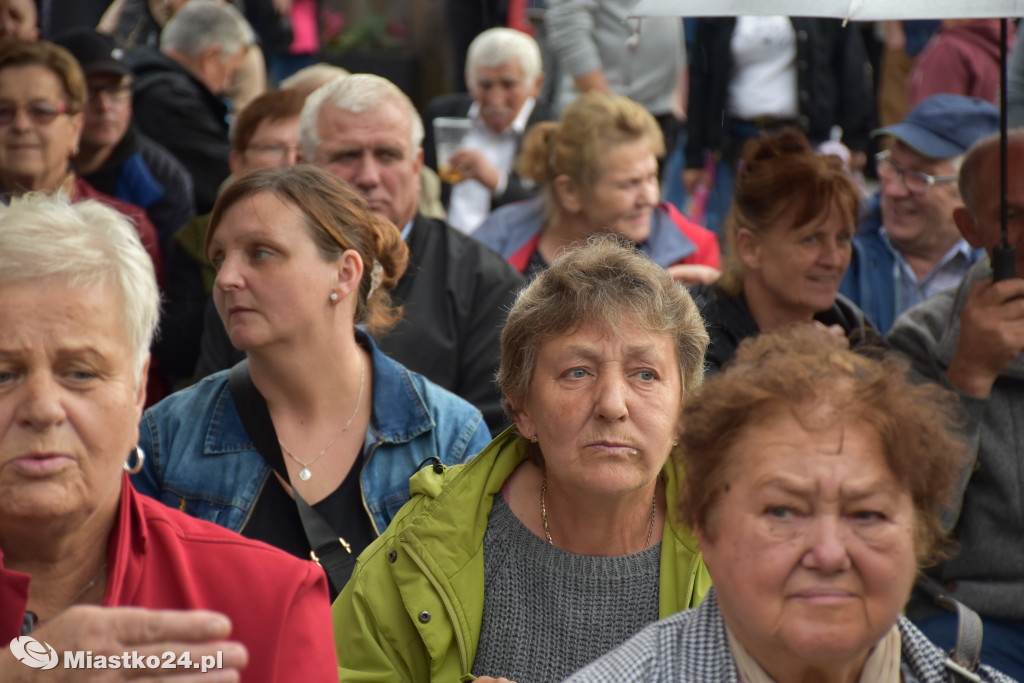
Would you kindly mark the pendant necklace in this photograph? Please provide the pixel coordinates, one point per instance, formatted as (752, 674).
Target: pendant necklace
(304, 473)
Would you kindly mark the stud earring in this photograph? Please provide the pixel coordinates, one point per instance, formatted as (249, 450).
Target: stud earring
(334, 297)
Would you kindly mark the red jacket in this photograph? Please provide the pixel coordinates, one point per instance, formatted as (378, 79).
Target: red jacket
(164, 559)
(962, 59)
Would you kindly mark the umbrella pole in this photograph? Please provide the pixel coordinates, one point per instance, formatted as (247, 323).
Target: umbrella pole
(1003, 257)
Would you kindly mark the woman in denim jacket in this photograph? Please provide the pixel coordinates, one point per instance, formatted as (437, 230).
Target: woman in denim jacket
(290, 246)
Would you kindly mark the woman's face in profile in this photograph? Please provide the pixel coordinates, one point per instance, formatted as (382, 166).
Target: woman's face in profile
(812, 552)
(272, 283)
(800, 268)
(625, 193)
(69, 405)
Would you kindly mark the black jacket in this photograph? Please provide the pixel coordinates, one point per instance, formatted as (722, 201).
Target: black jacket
(458, 104)
(143, 173)
(833, 84)
(456, 292)
(178, 111)
(729, 321)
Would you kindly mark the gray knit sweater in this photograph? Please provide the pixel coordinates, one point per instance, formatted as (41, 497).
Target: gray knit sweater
(548, 612)
(987, 572)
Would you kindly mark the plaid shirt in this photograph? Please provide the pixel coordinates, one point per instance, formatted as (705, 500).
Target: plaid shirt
(691, 647)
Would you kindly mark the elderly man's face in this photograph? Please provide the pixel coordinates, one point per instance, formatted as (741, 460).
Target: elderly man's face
(108, 111)
(18, 20)
(501, 92)
(372, 152)
(983, 227)
(811, 545)
(918, 223)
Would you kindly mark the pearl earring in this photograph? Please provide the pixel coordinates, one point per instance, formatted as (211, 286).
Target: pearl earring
(334, 297)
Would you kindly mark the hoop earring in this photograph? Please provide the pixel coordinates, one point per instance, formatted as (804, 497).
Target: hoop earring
(140, 457)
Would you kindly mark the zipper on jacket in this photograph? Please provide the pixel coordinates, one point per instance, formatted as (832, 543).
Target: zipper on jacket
(255, 500)
(362, 494)
(693, 578)
(459, 640)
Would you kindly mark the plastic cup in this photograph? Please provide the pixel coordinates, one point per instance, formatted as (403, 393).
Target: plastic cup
(449, 134)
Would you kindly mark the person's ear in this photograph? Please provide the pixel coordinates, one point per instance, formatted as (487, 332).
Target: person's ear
(968, 227)
(349, 273)
(567, 193)
(538, 83)
(140, 390)
(524, 423)
(748, 248)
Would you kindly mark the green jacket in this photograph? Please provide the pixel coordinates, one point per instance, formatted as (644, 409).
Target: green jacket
(413, 607)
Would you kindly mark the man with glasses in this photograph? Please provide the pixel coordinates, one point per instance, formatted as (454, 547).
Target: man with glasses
(908, 247)
(113, 156)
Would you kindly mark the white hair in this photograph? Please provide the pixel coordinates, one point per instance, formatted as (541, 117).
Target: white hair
(88, 243)
(200, 24)
(495, 46)
(355, 93)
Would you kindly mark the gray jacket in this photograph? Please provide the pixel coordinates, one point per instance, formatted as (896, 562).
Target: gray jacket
(641, 58)
(987, 572)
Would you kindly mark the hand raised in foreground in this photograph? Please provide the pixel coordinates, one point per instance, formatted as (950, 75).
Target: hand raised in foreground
(991, 335)
(110, 632)
(693, 273)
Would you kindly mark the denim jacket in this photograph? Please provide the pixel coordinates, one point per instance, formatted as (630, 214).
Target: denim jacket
(200, 459)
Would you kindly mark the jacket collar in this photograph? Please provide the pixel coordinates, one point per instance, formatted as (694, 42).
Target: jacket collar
(396, 416)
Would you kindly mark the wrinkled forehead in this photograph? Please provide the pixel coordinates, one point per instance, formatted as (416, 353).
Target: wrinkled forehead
(382, 124)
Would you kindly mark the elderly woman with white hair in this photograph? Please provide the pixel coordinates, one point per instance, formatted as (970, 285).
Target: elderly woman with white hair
(78, 308)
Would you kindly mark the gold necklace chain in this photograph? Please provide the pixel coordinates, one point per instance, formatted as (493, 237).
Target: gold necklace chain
(544, 513)
(304, 473)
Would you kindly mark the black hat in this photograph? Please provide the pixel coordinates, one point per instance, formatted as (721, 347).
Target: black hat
(95, 51)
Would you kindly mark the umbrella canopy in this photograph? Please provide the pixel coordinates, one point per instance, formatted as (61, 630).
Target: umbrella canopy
(856, 10)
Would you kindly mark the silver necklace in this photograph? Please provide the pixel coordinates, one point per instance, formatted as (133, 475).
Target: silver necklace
(79, 594)
(544, 513)
(304, 473)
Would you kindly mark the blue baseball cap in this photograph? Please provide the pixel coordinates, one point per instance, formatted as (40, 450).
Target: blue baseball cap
(944, 126)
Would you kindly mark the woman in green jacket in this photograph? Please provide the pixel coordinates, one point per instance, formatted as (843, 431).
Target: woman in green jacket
(555, 544)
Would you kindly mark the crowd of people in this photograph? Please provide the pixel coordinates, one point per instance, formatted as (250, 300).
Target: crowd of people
(289, 392)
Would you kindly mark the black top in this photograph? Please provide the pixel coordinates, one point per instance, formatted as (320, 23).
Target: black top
(275, 519)
(729, 321)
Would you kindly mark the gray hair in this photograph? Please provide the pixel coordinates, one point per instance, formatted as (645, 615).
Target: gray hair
(496, 46)
(310, 78)
(200, 24)
(355, 93)
(88, 243)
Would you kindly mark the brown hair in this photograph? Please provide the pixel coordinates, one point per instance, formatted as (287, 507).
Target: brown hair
(782, 184)
(272, 105)
(603, 282)
(797, 369)
(64, 66)
(576, 145)
(337, 219)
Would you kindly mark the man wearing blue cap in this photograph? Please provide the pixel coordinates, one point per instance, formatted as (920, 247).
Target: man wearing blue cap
(908, 247)
(970, 340)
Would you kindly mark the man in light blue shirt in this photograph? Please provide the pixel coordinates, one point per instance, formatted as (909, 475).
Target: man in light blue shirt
(908, 247)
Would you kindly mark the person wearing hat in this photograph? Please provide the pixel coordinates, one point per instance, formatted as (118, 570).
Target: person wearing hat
(908, 247)
(113, 156)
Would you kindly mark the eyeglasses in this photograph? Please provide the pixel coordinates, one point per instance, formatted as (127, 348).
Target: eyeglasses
(916, 182)
(274, 150)
(39, 112)
(118, 91)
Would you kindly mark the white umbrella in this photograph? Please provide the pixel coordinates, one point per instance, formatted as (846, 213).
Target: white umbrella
(1003, 264)
(856, 10)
